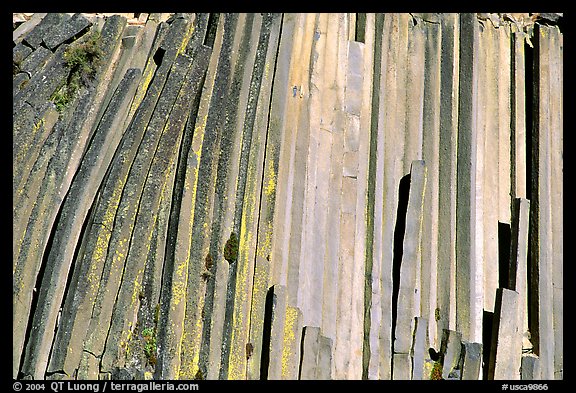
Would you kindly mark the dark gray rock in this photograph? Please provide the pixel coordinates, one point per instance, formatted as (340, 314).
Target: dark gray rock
(471, 361)
(35, 36)
(450, 348)
(19, 81)
(19, 53)
(66, 30)
(36, 61)
(73, 213)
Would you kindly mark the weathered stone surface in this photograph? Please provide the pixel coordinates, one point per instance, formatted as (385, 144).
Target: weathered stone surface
(471, 361)
(541, 240)
(451, 349)
(402, 366)
(291, 343)
(447, 197)
(130, 294)
(278, 319)
(310, 350)
(74, 210)
(269, 41)
(99, 232)
(35, 36)
(419, 349)
(209, 128)
(66, 30)
(19, 53)
(518, 273)
(36, 61)
(19, 81)
(505, 351)
(19, 33)
(531, 367)
(430, 147)
(181, 271)
(469, 269)
(324, 366)
(409, 287)
(120, 240)
(42, 85)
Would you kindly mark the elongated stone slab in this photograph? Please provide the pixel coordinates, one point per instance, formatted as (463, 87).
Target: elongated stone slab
(269, 40)
(20, 32)
(402, 366)
(419, 349)
(20, 52)
(518, 273)
(448, 135)
(530, 367)
(66, 30)
(541, 240)
(175, 292)
(469, 268)
(291, 343)
(324, 364)
(557, 193)
(451, 348)
(408, 295)
(77, 310)
(121, 236)
(518, 115)
(505, 350)
(431, 101)
(74, 210)
(310, 350)
(471, 362)
(35, 36)
(36, 60)
(278, 319)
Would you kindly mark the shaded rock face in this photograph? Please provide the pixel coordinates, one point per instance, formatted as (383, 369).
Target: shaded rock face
(287, 196)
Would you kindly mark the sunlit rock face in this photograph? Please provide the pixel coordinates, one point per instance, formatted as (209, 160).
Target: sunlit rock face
(287, 196)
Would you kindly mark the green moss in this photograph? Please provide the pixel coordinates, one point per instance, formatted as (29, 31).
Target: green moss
(149, 337)
(231, 248)
(82, 58)
(436, 373)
